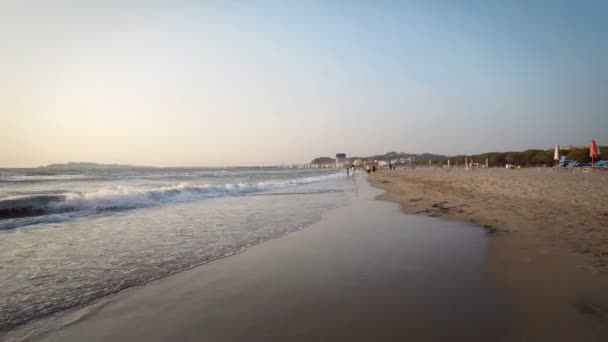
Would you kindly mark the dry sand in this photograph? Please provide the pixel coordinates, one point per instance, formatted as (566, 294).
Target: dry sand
(549, 246)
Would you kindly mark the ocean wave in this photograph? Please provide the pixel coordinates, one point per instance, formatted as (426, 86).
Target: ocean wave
(27, 205)
(19, 211)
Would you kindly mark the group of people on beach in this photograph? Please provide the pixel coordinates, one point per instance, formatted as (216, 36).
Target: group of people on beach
(350, 170)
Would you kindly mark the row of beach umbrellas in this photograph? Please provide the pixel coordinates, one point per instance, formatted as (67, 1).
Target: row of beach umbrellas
(594, 152)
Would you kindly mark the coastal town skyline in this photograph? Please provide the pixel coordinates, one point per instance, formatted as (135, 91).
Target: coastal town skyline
(528, 157)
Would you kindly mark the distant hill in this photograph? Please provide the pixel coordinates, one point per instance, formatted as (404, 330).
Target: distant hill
(88, 166)
(397, 155)
(323, 160)
(387, 156)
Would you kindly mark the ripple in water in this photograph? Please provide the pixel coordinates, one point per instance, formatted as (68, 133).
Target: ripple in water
(54, 266)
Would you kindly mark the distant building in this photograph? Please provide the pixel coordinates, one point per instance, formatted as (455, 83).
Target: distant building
(340, 159)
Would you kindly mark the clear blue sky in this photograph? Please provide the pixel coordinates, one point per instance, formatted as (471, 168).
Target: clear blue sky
(269, 82)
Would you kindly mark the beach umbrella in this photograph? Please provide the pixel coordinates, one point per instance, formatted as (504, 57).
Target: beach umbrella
(594, 152)
(556, 156)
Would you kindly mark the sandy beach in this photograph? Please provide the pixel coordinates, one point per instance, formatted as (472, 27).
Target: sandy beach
(225, 171)
(366, 272)
(549, 244)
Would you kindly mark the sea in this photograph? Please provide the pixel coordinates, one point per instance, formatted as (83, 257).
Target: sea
(71, 236)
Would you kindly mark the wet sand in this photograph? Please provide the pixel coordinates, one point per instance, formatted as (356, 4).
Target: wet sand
(366, 272)
(549, 245)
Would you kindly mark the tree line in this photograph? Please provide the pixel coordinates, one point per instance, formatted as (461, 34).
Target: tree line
(531, 157)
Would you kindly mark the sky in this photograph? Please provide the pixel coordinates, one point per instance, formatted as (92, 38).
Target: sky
(227, 83)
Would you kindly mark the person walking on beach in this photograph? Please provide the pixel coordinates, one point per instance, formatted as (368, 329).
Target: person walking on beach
(347, 171)
(367, 169)
(352, 167)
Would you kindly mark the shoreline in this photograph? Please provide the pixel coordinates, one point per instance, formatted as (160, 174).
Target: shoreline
(539, 252)
(54, 266)
(364, 272)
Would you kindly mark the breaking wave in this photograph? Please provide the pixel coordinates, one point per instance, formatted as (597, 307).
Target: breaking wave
(33, 209)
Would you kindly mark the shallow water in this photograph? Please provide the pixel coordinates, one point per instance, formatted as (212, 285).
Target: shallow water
(365, 272)
(99, 232)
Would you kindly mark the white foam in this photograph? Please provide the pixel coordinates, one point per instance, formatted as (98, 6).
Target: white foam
(130, 197)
